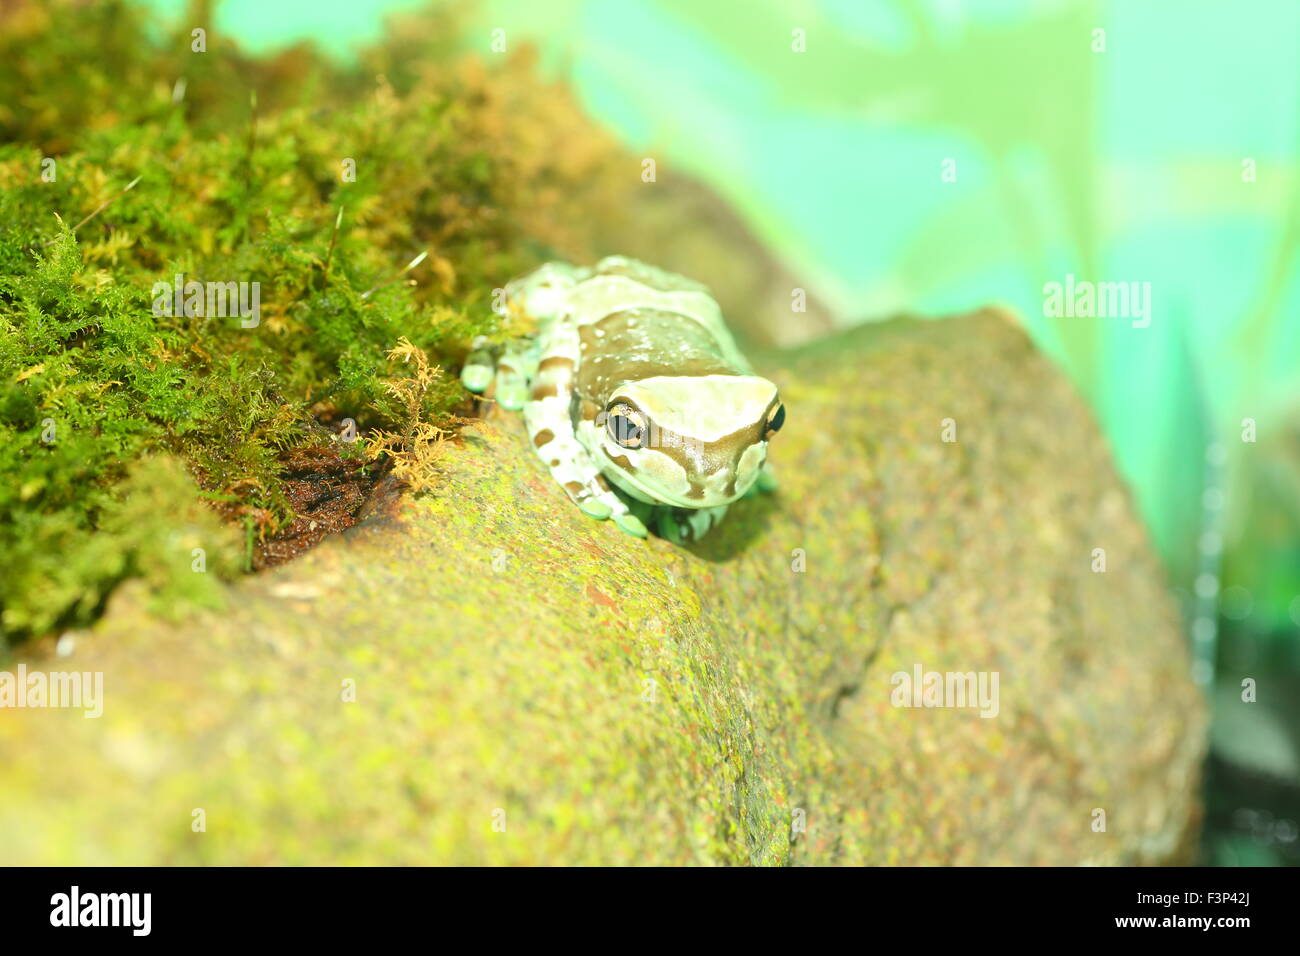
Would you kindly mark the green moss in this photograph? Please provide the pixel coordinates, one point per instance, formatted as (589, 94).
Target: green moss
(127, 159)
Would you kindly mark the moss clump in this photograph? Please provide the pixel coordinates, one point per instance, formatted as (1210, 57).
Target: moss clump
(127, 160)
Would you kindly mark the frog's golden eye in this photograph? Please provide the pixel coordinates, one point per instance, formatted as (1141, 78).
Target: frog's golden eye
(775, 419)
(625, 425)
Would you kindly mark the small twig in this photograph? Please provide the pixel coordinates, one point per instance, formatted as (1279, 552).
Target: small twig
(102, 206)
(333, 236)
(409, 266)
(248, 158)
(252, 118)
(252, 138)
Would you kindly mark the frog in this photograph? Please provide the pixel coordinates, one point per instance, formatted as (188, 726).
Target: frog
(634, 395)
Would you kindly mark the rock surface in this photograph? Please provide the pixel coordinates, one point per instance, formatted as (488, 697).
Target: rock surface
(532, 686)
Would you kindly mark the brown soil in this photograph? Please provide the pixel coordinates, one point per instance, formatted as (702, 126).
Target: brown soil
(326, 491)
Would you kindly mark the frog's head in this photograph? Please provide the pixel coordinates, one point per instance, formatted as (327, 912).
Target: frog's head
(688, 441)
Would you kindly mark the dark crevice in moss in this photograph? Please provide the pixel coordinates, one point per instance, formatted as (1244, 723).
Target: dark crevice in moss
(326, 491)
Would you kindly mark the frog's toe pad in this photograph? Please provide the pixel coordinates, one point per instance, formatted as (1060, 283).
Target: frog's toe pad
(476, 378)
(594, 508)
(511, 396)
(631, 524)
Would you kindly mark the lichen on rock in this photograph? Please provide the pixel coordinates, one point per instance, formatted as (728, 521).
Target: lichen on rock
(485, 676)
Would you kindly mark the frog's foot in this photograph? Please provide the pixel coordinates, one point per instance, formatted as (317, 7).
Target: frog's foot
(515, 369)
(640, 516)
(480, 368)
(682, 525)
(597, 500)
(631, 524)
(625, 521)
(510, 373)
(551, 433)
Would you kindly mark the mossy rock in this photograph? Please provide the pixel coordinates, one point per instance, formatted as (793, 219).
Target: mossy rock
(532, 686)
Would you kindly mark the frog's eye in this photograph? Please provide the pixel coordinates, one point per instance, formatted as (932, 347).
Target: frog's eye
(625, 425)
(775, 419)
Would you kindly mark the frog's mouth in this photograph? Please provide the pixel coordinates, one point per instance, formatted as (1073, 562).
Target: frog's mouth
(638, 489)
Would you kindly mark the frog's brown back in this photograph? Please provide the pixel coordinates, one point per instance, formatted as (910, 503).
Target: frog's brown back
(640, 343)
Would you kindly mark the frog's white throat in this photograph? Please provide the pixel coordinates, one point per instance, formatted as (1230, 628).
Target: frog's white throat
(714, 494)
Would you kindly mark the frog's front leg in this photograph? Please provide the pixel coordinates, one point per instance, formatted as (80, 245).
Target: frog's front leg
(680, 525)
(551, 431)
(538, 297)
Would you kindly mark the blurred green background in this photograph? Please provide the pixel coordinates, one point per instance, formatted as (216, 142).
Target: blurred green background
(931, 156)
